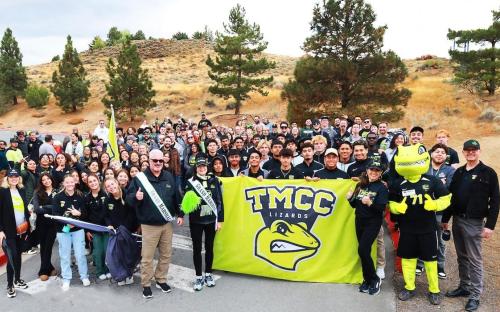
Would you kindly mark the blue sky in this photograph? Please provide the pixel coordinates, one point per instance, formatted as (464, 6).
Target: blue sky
(414, 27)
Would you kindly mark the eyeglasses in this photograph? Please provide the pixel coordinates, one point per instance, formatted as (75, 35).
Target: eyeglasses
(157, 161)
(190, 137)
(366, 121)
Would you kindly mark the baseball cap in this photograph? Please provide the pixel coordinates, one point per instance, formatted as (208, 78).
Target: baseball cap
(13, 173)
(14, 140)
(201, 162)
(417, 129)
(131, 137)
(325, 117)
(471, 144)
(375, 164)
(331, 150)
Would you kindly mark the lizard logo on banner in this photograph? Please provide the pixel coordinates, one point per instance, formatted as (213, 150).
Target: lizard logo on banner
(288, 215)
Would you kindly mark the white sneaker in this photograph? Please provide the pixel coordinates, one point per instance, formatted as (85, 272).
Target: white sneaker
(86, 282)
(108, 275)
(102, 277)
(381, 273)
(127, 281)
(65, 285)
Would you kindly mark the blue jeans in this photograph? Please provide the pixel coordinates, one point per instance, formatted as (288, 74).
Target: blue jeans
(77, 239)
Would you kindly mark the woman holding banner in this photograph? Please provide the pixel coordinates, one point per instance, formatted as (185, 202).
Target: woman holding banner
(14, 227)
(369, 198)
(203, 203)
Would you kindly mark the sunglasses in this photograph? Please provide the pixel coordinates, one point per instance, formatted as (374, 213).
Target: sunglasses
(366, 121)
(157, 160)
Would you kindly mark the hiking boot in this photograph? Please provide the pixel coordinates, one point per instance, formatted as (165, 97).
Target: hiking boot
(364, 287)
(209, 280)
(198, 283)
(441, 273)
(164, 287)
(434, 298)
(20, 284)
(459, 292)
(472, 305)
(406, 294)
(419, 270)
(147, 293)
(11, 292)
(375, 286)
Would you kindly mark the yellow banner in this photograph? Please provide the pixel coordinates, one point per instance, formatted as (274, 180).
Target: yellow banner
(288, 229)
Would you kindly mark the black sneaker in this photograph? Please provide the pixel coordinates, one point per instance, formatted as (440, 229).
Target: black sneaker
(472, 305)
(434, 298)
(375, 286)
(406, 294)
(11, 292)
(364, 287)
(20, 284)
(459, 292)
(164, 287)
(419, 270)
(147, 293)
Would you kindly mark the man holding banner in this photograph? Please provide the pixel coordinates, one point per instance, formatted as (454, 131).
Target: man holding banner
(156, 197)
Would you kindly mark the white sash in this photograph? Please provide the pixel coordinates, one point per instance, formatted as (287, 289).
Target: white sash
(162, 208)
(202, 192)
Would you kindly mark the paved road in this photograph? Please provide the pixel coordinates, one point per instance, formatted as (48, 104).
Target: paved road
(234, 292)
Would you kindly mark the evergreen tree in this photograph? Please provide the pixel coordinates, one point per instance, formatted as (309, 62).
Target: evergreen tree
(69, 85)
(180, 36)
(345, 68)
(235, 70)
(206, 35)
(139, 35)
(130, 89)
(13, 80)
(477, 70)
(114, 36)
(97, 43)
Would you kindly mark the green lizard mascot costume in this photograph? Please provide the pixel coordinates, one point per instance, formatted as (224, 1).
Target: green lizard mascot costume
(414, 199)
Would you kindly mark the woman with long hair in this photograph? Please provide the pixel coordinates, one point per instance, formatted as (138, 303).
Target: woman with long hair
(70, 203)
(206, 217)
(369, 200)
(95, 205)
(61, 168)
(45, 228)
(104, 161)
(14, 227)
(119, 213)
(134, 159)
(123, 178)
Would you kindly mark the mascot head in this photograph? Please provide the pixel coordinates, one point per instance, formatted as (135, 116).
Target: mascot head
(412, 161)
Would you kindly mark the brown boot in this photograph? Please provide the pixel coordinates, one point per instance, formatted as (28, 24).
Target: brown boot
(44, 277)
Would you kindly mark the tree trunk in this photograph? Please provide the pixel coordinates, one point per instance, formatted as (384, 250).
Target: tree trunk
(14, 100)
(238, 85)
(73, 106)
(491, 84)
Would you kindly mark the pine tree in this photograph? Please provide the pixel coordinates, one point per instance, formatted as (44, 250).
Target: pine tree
(236, 71)
(114, 36)
(13, 80)
(345, 68)
(69, 85)
(180, 36)
(130, 89)
(477, 70)
(139, 35)
(97, 43)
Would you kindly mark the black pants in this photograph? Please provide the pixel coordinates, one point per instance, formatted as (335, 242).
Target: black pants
(196, 235)
(46, 236)
(367, 230)
(15, 246)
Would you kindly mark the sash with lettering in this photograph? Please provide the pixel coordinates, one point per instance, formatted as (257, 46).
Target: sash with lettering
(160, 205)
(202, 192)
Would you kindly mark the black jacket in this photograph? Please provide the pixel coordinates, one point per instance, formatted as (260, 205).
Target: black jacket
(212, 185)
(96, 208)
(7, 217)
(146, 210)
(484, 195)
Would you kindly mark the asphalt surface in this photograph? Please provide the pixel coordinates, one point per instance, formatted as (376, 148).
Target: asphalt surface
(233, 292)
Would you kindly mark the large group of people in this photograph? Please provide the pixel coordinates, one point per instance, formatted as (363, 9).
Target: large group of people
(142, 189)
